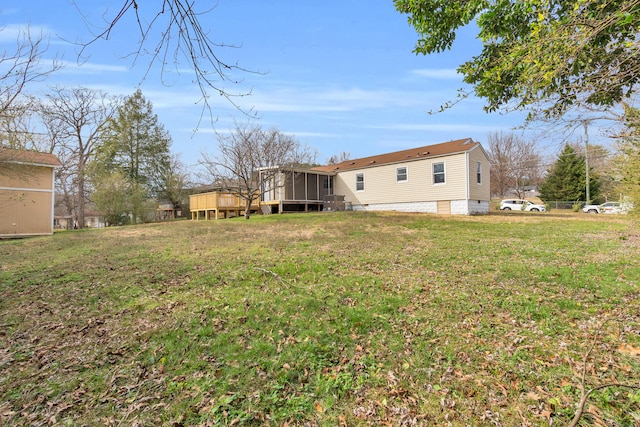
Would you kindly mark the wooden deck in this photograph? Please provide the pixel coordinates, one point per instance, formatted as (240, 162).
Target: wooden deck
(215, 205)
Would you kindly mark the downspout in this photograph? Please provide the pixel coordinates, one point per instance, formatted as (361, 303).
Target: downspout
(468, 184)
(468, 180)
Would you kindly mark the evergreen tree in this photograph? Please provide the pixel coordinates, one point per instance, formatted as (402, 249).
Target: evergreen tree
(566, 180)
(135, 145)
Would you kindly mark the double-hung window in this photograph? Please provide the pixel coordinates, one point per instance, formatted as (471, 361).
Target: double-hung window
(438, 173)
(359, 182)
(479, 173)
(401, 174)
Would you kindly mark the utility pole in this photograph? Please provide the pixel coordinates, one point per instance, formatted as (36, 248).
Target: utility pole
(586, 158)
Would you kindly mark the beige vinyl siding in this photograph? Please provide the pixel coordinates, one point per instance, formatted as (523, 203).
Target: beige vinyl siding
(25, 213)
(26, 201)
(25, 176)
(478, 191)
(381, 184)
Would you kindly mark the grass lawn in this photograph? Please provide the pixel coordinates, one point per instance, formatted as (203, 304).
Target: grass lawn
(341, 319)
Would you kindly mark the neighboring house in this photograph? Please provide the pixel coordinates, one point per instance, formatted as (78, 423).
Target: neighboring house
(167, 211)
(26, 192)
(92, 219)
(447, 178)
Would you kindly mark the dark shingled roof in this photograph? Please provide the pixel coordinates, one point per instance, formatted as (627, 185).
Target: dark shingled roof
(436, 150)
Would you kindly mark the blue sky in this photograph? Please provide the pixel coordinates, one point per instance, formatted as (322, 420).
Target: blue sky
(339, 75)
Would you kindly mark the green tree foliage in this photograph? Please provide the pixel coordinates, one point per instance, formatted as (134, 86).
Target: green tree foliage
(110, 197)
(122, 202)
(566, 180)
(175, 182)
(558, 52)
(628, 160)
(134, 144)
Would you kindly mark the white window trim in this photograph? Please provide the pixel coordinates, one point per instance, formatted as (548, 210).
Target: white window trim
(406, 174)
(363, 181)
(433, 174)
(479, 173)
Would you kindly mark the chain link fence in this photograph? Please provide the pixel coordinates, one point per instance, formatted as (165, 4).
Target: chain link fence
(565, 204)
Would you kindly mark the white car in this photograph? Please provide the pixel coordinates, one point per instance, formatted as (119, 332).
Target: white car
(606, 208)
(521, 205)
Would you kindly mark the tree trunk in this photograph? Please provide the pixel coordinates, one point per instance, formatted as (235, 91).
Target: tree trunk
(80, 196)
(247, 208)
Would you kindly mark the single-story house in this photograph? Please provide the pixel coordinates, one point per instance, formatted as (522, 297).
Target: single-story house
(26, 192)
(92, 219)
(166, 211)
(447, 178)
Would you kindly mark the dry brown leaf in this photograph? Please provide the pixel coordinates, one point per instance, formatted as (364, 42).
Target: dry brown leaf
(629, 349)
(533, 396)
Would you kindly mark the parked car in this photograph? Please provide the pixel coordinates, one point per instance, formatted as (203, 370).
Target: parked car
(607, 208)
(521, 205)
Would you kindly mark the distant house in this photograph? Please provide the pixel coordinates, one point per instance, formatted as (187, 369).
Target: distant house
(92, 219)
(26, 192)
(447, 178)
(168, 211)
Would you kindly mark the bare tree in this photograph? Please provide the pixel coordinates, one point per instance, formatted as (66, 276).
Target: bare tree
(22, 67)
(514, 164)
(338, 158)
(17, 126)
(19, 68)
(250, 150)
(170, 32)
(74, 119)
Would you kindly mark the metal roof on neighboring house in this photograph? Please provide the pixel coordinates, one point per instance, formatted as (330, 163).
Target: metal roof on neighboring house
(30, 157)
(428, 151)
